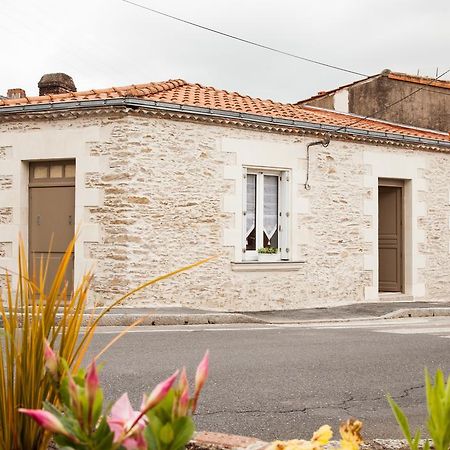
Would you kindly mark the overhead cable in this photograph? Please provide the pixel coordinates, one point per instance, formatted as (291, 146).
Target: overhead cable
(246, 41)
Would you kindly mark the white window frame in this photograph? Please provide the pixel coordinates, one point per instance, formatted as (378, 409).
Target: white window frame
(283, 175)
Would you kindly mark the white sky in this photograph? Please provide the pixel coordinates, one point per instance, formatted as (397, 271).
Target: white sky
(104, 43)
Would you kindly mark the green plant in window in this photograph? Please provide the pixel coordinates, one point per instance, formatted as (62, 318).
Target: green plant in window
(268, 250)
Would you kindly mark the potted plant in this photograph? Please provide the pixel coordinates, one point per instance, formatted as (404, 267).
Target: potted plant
(268, 254)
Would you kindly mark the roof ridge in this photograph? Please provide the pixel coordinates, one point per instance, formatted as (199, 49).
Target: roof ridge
(420, 79)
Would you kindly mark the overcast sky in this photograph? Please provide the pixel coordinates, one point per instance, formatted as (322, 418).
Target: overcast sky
(104, 43)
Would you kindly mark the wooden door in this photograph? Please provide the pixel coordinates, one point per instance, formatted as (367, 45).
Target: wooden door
(52, 216)
(390, 238)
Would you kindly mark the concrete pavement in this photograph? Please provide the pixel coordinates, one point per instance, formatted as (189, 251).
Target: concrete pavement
(124, 316)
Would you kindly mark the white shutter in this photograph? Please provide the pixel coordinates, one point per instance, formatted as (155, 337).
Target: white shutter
(244, 210)
(285, 213)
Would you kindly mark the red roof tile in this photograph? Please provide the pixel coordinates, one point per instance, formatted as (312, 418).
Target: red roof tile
(183, 93)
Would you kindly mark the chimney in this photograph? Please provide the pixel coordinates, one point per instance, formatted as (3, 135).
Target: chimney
(16, 93)
(56, 83)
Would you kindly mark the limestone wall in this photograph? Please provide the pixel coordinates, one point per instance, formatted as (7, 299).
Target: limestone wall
(155, 194)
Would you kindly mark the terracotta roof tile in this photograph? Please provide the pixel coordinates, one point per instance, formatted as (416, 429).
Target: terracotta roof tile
(181, 92)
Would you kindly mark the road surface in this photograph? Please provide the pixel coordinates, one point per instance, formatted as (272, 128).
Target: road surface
(285, 381)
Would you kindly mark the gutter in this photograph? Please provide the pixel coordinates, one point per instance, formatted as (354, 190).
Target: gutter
(217, 113)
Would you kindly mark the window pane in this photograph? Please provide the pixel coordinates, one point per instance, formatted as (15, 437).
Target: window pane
(56, 171)
(70, 171)
(270, 220)
(250, 217)
(40, 172)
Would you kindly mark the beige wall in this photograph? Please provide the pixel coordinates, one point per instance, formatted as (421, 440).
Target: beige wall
(156, 194)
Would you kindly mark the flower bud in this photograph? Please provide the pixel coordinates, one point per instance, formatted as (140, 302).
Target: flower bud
(51, 360)
(92, 382)
(200, 377)
(158, 393)
(46, 420)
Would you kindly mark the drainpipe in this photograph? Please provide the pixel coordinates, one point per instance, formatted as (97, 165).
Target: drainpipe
(324, 142)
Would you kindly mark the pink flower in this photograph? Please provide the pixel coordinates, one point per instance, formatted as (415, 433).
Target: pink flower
(122, 422)
(200, 377)
(46, 420)
(51, 360)
(158, 393)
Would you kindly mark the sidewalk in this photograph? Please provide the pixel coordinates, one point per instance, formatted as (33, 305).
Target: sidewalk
(187, 316)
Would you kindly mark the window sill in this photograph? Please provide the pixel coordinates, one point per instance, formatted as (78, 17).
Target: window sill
(258, 266)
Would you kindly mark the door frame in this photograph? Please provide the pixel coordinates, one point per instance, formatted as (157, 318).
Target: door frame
(46, 183)
(397, 183)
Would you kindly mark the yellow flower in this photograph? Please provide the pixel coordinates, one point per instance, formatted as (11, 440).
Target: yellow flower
(350, 433)
(294, 444)
(322, 436)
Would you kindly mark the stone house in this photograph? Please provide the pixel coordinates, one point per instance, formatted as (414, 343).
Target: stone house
(427, 104)
(160, 175)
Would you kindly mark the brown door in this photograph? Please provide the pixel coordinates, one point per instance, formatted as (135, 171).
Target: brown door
(52, 214)
(390, 239)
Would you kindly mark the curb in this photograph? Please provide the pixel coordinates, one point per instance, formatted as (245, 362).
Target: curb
(417, 312)
(174, 319)
(238, 318)
(205, 440)
(155, 319)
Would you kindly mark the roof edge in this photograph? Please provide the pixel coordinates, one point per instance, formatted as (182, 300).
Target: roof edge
(135, 103)
(374, 119)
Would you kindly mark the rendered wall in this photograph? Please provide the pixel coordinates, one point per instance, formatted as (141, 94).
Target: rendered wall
(154, 194)
(429, 107)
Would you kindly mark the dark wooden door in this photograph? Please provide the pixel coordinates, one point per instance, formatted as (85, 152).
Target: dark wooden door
(51, 218)
(390, 239)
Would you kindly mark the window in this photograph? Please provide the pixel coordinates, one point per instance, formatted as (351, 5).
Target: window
(265, 213)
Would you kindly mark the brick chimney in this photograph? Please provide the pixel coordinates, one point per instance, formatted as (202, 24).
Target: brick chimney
(56, 83)
(16, 93)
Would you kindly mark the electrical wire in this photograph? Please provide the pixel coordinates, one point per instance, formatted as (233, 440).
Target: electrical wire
(240, 39)
(266, 47)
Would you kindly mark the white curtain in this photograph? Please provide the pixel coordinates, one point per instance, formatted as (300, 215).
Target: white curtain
(270, 221)
(251, 204)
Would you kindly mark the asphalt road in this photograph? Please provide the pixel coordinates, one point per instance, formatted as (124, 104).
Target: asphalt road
(285, 381)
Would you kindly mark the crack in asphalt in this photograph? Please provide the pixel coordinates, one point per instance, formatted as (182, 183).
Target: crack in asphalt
(344, 405)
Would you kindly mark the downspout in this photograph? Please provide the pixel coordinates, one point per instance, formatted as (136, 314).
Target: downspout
(324, 142)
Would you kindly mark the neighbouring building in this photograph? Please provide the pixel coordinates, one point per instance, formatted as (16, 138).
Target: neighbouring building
(160, 175)
(427, 102)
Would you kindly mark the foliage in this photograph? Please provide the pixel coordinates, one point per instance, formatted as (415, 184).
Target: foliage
(31, 316)
(350, 438)
(438, 407)
(163, 422)
(268, 250)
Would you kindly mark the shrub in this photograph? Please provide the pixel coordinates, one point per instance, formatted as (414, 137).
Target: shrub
(163, 422)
